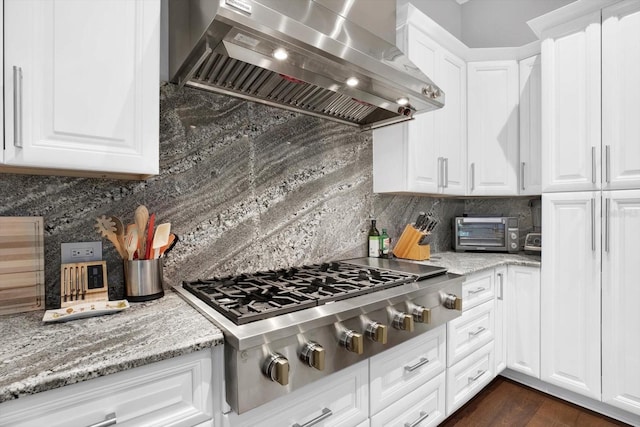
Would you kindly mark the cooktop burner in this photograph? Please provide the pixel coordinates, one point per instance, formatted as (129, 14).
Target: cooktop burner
(250, 297)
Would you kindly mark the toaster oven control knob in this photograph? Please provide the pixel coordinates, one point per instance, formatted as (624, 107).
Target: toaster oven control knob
(377, 332)
(514, 236)
(352, 341)
(403, 321)
(421, 314)
(514, 245)
(276, 368)
(313, 355)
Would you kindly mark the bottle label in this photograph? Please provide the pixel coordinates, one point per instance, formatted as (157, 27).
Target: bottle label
(374, 246)
(384, 246)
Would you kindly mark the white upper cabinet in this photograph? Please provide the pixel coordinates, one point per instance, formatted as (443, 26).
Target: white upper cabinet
(570, 292)
(428, 153)
(82, 86)
(621, 96)
(571, 106)
(530, 127)
(493, 128)
(620, 296)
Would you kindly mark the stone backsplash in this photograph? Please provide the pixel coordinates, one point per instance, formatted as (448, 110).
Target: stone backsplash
(246, 187)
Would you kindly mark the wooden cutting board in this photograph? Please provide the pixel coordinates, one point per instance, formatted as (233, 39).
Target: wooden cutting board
(21, 264)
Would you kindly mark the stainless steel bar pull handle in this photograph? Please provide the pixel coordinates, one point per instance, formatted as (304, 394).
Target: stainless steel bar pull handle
(17, 106)
(473, 176)
(478, 331)
(423, 361)
(423, 416)
(607, 163)
(593, 165)
(440, 180)
(522, 175)
(501, 276)
(593, 224)
(109, 420)
(477, 376)
(446, 172)
(326, 413)
(477, 290)
(606, 224)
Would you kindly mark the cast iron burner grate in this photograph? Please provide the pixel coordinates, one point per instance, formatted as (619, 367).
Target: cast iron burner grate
(250, 297)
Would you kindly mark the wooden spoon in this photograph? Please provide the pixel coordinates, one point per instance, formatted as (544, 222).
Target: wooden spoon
(119, 230)
(141, 217)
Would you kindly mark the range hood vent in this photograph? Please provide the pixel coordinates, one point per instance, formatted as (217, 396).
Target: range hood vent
(227, 46)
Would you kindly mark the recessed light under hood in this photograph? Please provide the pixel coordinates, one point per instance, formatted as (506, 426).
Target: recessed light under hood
(227, 46)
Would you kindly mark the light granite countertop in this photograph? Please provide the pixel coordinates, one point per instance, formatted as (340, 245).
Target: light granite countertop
(471, 262)
(35, 356)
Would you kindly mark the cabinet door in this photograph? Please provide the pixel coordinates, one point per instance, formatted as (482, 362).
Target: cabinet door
(493, 128)
(341, 399)
(570, 292)
(467, 377)
(87, 85)
(530, 127)
(395, 373)
(174, 392)
(621, 96)
(424, 407)
(500, 330)
(451, 123)
(620, 296)
(523, 320)
(571, 106)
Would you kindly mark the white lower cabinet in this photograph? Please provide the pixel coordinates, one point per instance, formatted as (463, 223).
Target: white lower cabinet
(469, 332)
(425, 406)
(341, 399)
(467, 377)
(173, 392)
(402, 369)
(523, 320)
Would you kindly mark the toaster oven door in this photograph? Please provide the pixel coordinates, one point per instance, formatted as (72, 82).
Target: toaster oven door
(480, 234)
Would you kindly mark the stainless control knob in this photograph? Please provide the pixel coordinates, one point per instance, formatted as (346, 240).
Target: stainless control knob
(352, 341)
(377, 332)
(403, 321)
(421, 314)
(313, 355)
(452, 302)
(276, 368)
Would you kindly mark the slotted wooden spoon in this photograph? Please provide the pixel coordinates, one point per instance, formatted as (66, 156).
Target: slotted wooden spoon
(107, 228)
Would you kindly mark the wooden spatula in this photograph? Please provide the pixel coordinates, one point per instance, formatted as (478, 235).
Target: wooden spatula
(161, 238)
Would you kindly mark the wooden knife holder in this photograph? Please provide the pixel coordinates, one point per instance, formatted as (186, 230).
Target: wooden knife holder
(83, 282)
(408, 246)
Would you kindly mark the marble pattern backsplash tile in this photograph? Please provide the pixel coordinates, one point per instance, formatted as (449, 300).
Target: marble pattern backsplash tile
(246, 187)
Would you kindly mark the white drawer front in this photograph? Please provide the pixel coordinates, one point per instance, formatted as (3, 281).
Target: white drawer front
(174, 392)
(341, 399)
(478, 288)
(425, 404)
(466, 378)
(469, 332)
(405, 367)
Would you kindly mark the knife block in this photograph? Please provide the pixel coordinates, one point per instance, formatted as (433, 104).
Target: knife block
(407, 246)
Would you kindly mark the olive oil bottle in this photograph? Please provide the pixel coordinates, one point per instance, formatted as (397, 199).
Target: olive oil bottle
(374, 240)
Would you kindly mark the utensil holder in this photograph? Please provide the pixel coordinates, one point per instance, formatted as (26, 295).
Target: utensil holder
(407, 246)
(143, 280)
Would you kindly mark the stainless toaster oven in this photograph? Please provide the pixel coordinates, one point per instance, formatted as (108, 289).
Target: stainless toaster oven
(487, 234)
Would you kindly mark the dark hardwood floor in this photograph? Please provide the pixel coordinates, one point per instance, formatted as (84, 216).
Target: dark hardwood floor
(507, 403)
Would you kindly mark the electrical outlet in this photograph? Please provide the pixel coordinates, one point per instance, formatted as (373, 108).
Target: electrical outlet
(80, 252)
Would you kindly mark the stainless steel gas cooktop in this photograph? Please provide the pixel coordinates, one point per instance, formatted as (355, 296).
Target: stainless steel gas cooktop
(287, 328)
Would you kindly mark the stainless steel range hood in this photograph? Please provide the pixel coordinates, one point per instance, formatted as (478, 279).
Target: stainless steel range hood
(229, 46)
